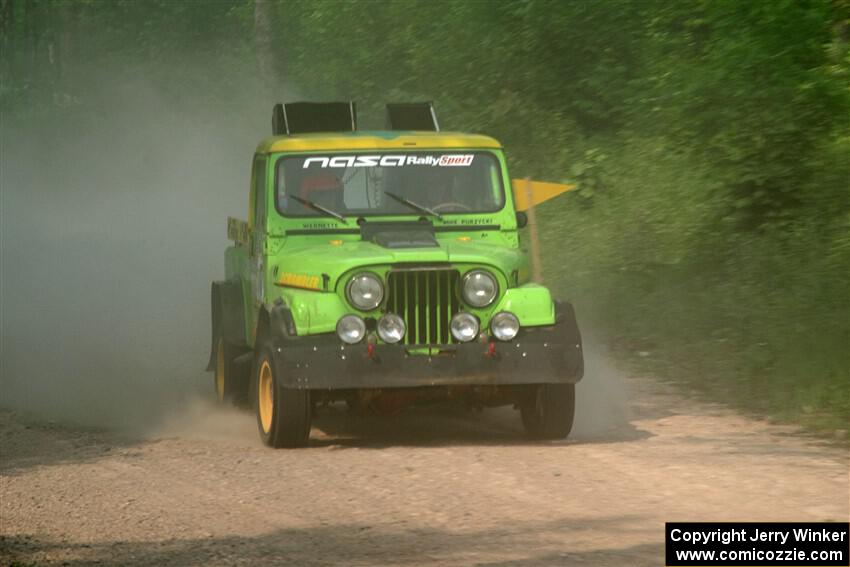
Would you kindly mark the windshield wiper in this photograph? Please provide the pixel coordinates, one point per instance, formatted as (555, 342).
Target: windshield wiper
(318, 207)
(412, 205)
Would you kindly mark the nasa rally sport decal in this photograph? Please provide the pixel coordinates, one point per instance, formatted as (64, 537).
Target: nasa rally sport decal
(445, 160)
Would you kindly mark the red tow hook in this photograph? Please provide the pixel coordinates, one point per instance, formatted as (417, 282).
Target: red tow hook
(370, 350)
(491, 350)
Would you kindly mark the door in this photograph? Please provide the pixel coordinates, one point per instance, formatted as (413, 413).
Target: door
(257, 222)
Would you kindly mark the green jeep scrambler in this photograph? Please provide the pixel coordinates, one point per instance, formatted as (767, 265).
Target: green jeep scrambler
(384, 268)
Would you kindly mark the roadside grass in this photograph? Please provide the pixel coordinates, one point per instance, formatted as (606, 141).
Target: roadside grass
(757, 320)
(745, 358)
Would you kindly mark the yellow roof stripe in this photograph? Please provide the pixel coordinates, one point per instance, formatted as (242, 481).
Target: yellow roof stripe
(362, 141)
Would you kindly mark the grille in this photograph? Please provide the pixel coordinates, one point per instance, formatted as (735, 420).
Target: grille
(426, 300)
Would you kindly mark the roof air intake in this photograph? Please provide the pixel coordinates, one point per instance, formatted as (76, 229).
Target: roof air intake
(412, 116)
(309, 117)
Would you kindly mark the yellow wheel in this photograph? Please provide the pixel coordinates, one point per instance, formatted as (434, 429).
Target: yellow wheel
(284, 414)
(231, 379)
(265, 402)
(220, 371)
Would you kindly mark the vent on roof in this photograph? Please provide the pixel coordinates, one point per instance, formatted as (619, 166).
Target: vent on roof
(412, 116)
(307, 117)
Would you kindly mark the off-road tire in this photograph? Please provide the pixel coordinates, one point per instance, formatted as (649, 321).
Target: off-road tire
(548, 410)
(283, 415)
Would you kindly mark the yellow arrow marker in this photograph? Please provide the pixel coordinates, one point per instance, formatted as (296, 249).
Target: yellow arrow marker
(538, 192)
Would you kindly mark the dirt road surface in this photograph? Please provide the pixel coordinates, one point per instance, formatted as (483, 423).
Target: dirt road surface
(431, 486)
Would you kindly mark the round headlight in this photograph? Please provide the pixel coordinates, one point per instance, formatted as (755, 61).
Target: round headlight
(504, 325)
(365, 291)
(391, 328)
(351, 329)
(479, 288)
(464, 327)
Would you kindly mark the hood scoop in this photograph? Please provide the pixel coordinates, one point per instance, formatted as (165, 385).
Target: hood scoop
(399, 234)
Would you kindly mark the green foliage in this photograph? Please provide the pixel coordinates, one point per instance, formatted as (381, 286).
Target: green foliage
(54, 51)
(751, 88)
(710, 141)
(586, 173)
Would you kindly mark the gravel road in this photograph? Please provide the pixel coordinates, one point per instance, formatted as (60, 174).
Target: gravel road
(432, 486)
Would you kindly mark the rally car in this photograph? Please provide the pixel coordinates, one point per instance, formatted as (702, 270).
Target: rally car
(384, 268)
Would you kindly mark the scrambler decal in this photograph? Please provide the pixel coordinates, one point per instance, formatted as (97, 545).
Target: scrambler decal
(304, 281)
(445, 160)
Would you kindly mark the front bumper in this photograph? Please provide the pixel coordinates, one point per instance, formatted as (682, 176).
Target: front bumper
(550, 354)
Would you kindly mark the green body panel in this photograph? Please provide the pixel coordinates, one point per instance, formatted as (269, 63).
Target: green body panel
(314, 312)
(531, 303)
(277, 265)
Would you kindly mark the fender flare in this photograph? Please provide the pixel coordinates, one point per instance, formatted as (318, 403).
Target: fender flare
(276, 322)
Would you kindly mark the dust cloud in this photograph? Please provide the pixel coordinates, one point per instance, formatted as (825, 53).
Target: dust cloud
(602, 395)
(112, 226)
(201, 417)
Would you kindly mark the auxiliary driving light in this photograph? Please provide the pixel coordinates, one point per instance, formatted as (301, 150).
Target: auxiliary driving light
(464, 327)
(391, 328)
(504, 325)
(365, 291)
(479, 288)
(351, 329)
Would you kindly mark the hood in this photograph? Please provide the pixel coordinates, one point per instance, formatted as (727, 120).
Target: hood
(333, 258)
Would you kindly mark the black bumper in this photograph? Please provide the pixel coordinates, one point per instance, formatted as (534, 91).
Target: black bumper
(551, 354)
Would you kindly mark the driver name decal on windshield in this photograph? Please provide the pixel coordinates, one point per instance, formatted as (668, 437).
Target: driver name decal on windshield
(445, 160)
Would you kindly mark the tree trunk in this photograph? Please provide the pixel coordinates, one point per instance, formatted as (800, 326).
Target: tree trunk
(64, 46)
(7, 41)
(263, 42)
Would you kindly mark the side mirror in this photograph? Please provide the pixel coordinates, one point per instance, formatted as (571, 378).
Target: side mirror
(521, 219)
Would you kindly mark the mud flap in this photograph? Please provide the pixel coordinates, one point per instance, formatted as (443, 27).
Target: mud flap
(565, 323)
(227, 316)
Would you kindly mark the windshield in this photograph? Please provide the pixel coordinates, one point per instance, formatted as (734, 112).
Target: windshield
(389, 183)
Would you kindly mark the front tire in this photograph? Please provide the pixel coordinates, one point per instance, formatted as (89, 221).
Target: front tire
(548, 410)
(283, 415)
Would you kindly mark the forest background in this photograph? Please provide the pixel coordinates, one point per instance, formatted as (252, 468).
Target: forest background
(708, 242)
